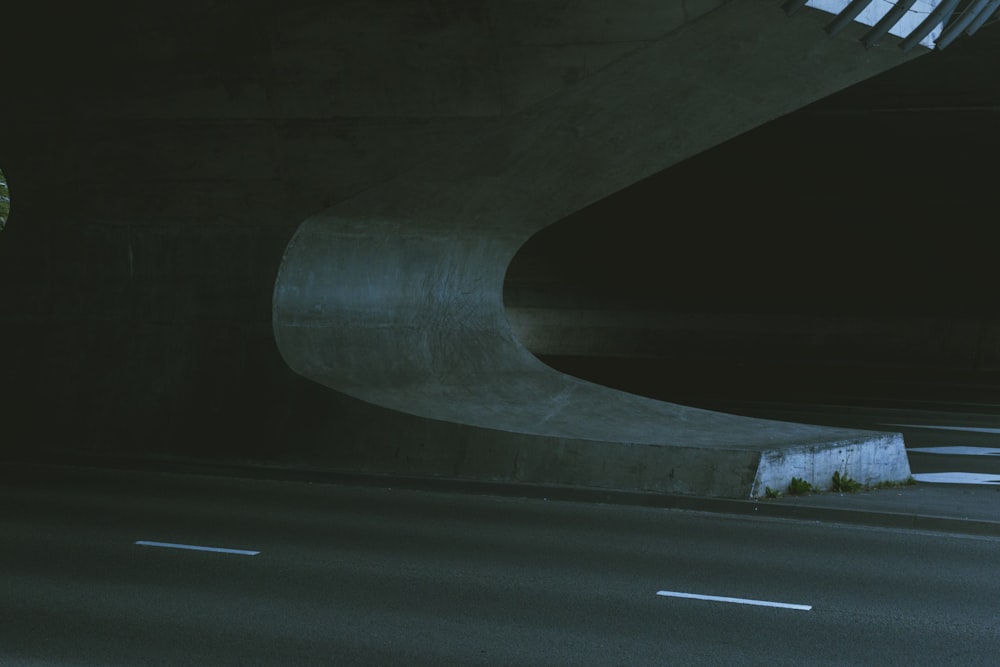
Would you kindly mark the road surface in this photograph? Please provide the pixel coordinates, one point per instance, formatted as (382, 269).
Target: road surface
(142, 568)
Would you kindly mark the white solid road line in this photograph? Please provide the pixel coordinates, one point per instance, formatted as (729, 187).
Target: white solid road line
(957, 478)
(957, 450)
(969, 429)
(715, 598)
(194, 547)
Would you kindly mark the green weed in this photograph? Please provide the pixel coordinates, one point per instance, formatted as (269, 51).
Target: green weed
(844, 483)
(799, 486)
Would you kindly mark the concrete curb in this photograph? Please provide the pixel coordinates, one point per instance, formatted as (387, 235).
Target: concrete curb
(773, 509)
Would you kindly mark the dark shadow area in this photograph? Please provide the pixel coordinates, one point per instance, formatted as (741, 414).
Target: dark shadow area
(839, 253)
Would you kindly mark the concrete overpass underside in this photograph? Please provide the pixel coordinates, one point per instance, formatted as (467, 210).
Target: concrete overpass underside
(158, 177)
(395, 296)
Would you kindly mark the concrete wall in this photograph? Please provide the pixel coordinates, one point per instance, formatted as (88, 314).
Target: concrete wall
(160, 156)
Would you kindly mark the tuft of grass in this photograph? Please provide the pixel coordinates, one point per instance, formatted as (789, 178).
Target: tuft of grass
(909, 481)
(844, 483)
(799, 486)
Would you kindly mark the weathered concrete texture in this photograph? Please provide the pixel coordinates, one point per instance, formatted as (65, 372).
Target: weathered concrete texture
(396, 296)
(874, 460)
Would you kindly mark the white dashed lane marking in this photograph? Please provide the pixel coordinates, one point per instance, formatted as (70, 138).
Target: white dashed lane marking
(716, 598)
(195, 547)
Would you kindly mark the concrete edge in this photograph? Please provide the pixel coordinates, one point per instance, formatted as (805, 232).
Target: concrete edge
(773, 509)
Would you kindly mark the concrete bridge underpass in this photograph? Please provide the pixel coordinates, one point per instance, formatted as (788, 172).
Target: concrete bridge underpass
(395, 296)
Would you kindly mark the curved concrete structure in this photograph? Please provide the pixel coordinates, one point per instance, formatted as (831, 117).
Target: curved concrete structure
(395, 296)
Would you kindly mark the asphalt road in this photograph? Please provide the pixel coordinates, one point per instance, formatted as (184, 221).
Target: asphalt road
(326, 574)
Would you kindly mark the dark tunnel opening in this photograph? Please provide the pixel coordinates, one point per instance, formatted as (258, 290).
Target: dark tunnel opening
(825, 256)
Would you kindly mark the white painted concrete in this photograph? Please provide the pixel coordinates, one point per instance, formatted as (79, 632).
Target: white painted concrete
(877, 459)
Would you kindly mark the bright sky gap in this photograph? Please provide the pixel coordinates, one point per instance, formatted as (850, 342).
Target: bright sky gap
(715, 598)
(876, 9)
(194, 547)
